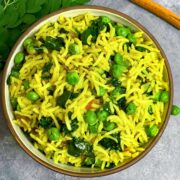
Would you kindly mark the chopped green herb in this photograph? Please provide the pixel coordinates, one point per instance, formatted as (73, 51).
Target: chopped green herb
(45, 122)
(53, 43)
(79, 147)
(108, 143)
(61, 100)
(175, 110)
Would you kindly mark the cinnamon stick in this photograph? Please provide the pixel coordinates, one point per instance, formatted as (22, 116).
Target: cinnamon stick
(160, 11)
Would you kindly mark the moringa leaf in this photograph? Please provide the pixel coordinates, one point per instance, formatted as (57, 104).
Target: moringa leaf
(66, 3)
(21, 7)
(10, 16)
(1, 11)
(28, 19)
(34, 6)
(54, 5)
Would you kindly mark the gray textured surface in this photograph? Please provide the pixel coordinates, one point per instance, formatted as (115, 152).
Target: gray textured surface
(162, 163)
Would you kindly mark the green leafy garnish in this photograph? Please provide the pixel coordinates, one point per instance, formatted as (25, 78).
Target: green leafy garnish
(61, 100)
(45, 122)
(108, 143)
(79, 147)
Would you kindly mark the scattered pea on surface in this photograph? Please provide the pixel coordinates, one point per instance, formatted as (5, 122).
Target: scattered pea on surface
(175, 110)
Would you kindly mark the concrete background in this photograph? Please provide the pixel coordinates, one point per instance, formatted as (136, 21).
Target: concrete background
(162, 163)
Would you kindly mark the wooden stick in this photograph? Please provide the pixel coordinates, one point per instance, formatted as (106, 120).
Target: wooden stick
(160, 11)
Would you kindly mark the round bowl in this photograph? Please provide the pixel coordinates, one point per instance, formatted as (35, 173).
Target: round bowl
(17, 132)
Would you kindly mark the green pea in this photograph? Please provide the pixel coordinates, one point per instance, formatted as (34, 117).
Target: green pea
(132, 38)
(102, 91)
(118, 58)
(175, 110)
(122, 31)
(164, 97)
(53, 134)
(27, 42)
(152, 131)
(105, 19)
(32, 96)
(19, 58)
(102, 115)
(156, 96)
(108, 126)
(26, 84)
(15, 74)
(90, 117)
(72, 78)
(117, 70)
(131, 108)
(30, 49)
(74, 49)
(93, 128)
